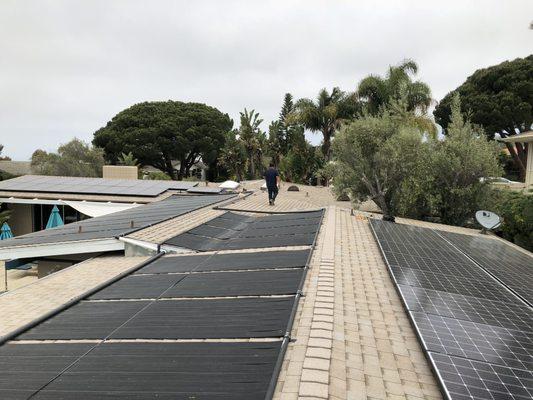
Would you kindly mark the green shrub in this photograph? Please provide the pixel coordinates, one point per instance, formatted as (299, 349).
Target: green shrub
(516, 209)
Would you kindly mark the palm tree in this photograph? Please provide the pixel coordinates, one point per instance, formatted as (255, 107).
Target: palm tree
(377, 92)
(233, 155)
(128, 159)
(326, 114)
(250, 135)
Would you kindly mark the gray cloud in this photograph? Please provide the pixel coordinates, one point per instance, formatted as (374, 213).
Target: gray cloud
(66, 67)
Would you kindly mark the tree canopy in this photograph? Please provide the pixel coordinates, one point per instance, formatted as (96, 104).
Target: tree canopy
(253, 139)
(75, 158)
(500, 99)
(326, 114)
(157, 133)
(387, 158)
(376, 92)
(3, 158)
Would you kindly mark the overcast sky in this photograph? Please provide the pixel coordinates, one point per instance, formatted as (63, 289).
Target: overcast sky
(67, 67)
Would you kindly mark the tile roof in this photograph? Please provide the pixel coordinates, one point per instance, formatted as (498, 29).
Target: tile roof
(353, 338)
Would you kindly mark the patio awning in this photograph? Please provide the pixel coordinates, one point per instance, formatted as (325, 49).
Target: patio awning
(89, 208)
(97, 209)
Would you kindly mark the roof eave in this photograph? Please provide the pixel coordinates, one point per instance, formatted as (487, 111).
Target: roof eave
(64, 248)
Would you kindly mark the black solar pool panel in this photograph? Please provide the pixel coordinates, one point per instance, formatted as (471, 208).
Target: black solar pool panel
(214, 284)
(139, 287)
(513, 267)
(143, 336)
(232, 232)
(138, 370)
(478, 334)
(210, 319)
(230, 261)
(172, 319)
(85, 320)
(246, 283)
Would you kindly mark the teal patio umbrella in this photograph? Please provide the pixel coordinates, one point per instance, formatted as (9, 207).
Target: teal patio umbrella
(5, 232)
(55, 219)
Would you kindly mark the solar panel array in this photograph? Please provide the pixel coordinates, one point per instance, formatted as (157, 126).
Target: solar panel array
(144, 336)
(514, 268)
(476, 332)
(119, 223)
(232, 231)
(96, 186)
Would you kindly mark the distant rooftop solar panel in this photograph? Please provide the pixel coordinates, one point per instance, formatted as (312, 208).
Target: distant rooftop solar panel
(118, 223)
(97, 186)
(477, 333)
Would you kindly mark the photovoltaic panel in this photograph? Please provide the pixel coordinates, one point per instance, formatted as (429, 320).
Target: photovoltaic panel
(468, 308)
(463, 269)
(483, 288)
(465, 379)
(139, 370)
(97, 186)
(477, 333)
(513, 267)
(118, 223)
(231, 261)
(488, 343)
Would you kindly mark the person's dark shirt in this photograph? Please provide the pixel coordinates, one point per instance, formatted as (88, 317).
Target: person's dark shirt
(271, 175)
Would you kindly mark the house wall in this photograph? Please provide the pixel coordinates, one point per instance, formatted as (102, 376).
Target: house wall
(20, 219)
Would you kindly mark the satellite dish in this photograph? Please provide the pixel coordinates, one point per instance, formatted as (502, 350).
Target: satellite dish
(488, 220)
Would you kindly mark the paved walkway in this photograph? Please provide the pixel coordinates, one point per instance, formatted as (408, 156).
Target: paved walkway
(353, 337)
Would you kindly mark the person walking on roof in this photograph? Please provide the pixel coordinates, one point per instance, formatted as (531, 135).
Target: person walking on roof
(272, 182)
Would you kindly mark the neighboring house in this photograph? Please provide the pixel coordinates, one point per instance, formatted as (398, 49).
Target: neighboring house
(30, 198)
